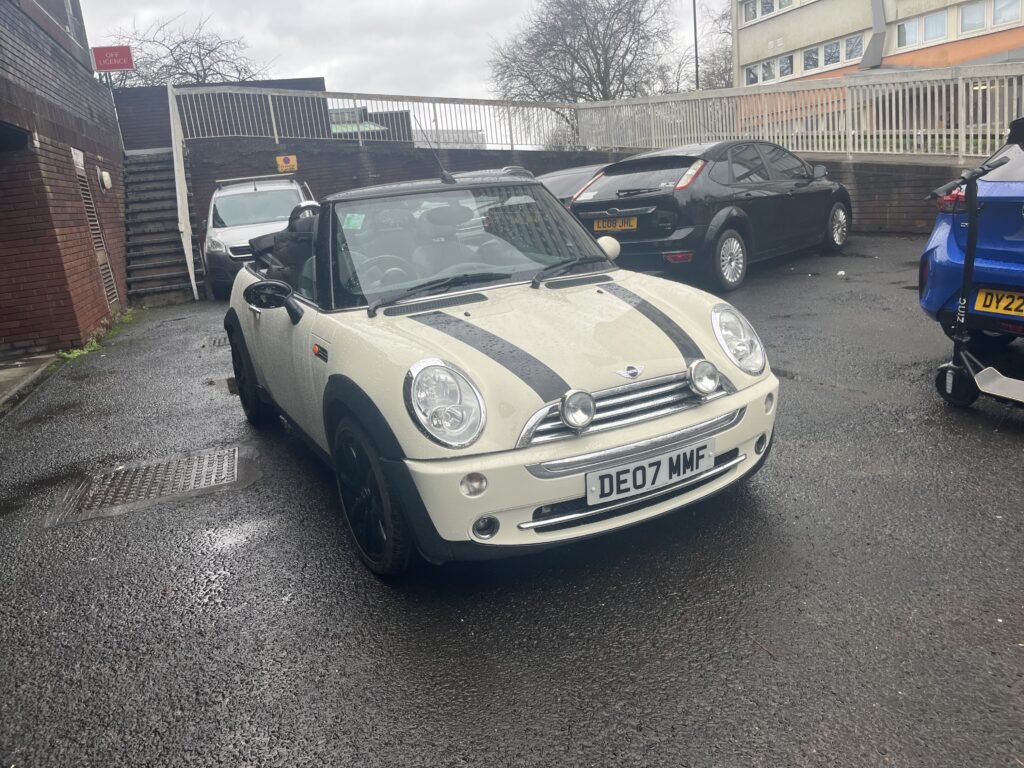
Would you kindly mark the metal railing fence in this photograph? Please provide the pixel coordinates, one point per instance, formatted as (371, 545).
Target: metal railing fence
(233, 111)
(952, 112)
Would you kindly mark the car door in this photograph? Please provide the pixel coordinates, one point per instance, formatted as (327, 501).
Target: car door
(805, 201)
(293, 356)
(754, 191)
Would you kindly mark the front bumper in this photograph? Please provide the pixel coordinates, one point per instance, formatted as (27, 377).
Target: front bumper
(222, 268)
(521, 482)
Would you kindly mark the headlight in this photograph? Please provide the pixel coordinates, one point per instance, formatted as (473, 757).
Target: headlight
(738, 338)
(213, 245)
(578, 409)
(704, 378)
(444, 403)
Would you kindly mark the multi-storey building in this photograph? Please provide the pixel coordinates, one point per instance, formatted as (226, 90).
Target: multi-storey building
(781, 40)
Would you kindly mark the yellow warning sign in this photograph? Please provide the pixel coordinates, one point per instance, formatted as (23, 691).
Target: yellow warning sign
(287, 163)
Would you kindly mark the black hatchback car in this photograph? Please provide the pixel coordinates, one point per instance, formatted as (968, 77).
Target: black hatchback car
(716, 206)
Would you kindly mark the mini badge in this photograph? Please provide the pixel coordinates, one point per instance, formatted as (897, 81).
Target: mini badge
(631, 371)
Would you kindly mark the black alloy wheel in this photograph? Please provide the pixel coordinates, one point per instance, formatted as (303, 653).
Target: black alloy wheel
(377, 526)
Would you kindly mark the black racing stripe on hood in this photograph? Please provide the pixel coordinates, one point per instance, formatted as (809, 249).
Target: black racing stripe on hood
(541, 379)
(687, 347)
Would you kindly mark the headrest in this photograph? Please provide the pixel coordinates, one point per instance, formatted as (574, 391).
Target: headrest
(449, 215)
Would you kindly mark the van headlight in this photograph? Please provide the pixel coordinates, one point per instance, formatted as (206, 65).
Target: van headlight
(213, 245)
(444, 403)
(738, 338)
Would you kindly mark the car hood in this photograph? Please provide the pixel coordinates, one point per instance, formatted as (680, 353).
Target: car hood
(524, 348)
(234, 236)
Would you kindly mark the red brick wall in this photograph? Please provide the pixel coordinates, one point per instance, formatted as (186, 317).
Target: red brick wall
(51, 295)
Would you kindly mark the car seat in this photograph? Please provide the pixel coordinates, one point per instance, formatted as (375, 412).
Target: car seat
(439, 250)
(394, 233)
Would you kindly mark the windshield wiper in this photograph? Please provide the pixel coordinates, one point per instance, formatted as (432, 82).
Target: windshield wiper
(561, 268)
(437, 284)
(638, 191)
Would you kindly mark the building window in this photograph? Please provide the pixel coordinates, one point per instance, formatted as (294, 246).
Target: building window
(749, 11)
(972, 17)
(935, 26)
(751, 75)
(786, 65)
(832, 53)
(854, 47)
(767, 70)
(785, 4)
(767, 6)
(1006, 11)
(758, 9)
(906, 33)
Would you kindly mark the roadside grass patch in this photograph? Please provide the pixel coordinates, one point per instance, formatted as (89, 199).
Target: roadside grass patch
(122, 321)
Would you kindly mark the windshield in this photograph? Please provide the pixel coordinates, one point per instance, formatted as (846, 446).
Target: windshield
(503, 233)
(254, 207)
(660, 174)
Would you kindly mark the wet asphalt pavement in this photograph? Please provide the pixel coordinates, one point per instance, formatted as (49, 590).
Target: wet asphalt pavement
(859, 603)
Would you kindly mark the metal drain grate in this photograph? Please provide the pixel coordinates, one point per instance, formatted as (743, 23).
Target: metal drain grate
(145, 482)
(217, 341)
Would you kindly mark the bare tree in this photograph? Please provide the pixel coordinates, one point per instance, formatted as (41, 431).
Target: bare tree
(585, 50)
(716, 47)
(166, 52)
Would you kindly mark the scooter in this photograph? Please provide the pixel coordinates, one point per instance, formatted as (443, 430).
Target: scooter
(964, 378)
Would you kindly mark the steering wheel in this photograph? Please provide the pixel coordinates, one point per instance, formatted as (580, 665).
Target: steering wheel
(386, 262)
(464, 268)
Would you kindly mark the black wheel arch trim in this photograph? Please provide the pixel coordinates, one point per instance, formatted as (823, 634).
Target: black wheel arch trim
(343, 397)
(731, 217)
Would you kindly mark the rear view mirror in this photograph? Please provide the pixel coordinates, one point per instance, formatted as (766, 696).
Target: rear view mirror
(610, 246)
(820, 171)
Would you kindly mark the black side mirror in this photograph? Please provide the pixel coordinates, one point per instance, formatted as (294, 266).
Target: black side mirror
(820, 172)
(307, 207)
(273, 294)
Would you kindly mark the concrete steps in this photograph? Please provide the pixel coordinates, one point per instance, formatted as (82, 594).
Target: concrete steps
(156, 260)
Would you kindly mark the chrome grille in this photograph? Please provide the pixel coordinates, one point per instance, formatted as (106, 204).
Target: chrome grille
(241, 250)
(621, 407)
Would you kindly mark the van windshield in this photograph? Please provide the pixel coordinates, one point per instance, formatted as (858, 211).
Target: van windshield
(257, 207)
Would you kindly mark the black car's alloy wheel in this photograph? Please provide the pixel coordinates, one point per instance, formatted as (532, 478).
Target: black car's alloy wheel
(376, 524)
(838, 227)
(729, 261)
(257, 412)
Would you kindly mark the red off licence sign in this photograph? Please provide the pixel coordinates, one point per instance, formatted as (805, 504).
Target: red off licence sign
(114, 58)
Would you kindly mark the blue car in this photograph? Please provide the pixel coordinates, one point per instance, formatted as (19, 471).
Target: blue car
(996, 306)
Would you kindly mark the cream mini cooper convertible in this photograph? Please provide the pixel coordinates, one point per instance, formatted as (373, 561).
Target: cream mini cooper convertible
(481, 377)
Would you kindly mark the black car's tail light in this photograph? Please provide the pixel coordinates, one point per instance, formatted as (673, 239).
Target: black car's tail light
(584, 188)
(691, 174)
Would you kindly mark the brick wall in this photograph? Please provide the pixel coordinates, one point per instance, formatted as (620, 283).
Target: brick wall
(334, 166)
(50, 289)
(888, 195)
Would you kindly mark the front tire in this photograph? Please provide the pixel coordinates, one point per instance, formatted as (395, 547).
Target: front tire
(728, 264)
(257, 412)
(374, 520)
(837, 230)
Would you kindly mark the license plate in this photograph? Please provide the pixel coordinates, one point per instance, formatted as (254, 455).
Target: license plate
(618, 224)
(643, 476)
(1001, 302)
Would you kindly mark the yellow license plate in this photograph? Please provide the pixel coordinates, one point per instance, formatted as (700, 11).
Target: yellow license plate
(1001, 302)
(619, 224)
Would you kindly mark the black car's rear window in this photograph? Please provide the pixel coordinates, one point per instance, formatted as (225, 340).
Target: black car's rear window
(656, 174)
(1013, 170)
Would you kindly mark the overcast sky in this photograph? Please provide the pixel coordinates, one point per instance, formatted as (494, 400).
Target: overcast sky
(405, 47)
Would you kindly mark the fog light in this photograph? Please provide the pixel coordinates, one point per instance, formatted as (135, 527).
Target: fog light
(761, 444)
(473, 484)
(769, 403)
(578, 409)
(486, 527)
(703, 377)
